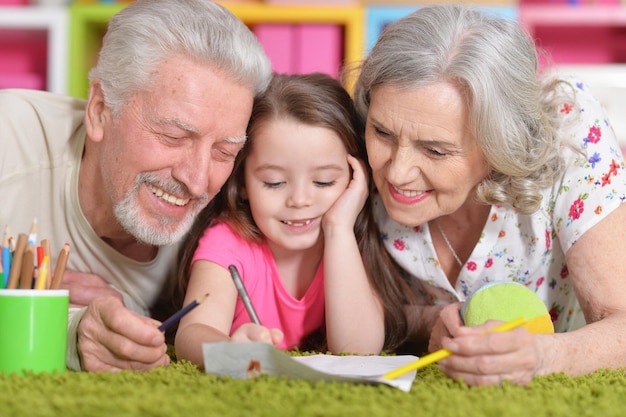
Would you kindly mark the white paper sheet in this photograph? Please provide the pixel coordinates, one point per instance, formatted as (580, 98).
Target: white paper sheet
(248, 360)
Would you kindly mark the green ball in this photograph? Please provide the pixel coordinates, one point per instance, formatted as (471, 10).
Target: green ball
(506, 301)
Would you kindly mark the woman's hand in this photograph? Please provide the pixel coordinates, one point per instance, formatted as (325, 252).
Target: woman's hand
(449, 321)
(480, 357)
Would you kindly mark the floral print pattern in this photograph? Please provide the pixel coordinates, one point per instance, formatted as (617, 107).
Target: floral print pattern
(529, 249)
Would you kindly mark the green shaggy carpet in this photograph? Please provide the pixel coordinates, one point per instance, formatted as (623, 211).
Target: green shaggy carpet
(183, 390)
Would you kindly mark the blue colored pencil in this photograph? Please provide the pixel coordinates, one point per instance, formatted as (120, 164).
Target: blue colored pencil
(6, 257)
(180, 313)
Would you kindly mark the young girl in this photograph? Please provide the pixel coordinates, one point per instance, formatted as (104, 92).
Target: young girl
(290, 220)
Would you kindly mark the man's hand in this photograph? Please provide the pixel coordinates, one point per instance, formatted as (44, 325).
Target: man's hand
(112, 338)
(85, 288)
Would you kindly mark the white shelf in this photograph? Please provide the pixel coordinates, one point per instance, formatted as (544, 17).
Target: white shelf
(54, 19)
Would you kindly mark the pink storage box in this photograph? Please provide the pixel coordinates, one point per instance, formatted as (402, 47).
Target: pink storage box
(22, 80)
(302, 48)
(309, 2)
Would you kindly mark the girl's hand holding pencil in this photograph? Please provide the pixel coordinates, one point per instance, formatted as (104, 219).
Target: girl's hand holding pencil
(255, 331)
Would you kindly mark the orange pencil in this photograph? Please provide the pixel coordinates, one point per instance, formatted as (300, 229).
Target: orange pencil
(40, 255)
(59, 270)
(18, 254)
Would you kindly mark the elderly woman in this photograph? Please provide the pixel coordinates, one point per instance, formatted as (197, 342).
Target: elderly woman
(485, 172)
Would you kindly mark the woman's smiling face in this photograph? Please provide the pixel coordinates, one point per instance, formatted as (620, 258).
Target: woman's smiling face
(424, 160)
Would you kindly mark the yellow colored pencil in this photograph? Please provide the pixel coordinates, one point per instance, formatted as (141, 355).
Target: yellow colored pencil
(45, 244)
(43, 274)
(444, 353)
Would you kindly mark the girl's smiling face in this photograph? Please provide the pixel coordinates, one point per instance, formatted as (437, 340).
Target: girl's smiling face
(293, 175)
(424, 160)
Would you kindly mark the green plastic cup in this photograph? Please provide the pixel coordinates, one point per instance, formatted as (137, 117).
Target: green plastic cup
(33, 330)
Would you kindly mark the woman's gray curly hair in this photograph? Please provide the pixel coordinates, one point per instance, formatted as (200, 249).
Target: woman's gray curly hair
(494, 63)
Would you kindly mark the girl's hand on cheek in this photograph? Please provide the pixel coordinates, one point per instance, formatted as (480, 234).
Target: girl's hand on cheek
(347, 207)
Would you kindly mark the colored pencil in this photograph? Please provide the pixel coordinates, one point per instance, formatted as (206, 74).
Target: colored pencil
(6, 257)
(181, 313)
(32, 236)
(59, 269)
(243, 293)
(40, 255)
(43, 274)
(28, 269)
(18, 254)
(45, 245)
(444, 353)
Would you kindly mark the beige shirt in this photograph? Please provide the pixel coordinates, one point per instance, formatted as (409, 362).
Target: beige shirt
(42, 136)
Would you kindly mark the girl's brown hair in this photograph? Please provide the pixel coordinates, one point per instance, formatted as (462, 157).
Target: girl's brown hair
(317, 100)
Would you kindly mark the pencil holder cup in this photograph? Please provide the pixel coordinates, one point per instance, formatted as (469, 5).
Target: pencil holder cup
(33, 330)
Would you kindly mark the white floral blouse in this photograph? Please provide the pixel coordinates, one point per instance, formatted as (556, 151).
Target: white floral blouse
(529, 249)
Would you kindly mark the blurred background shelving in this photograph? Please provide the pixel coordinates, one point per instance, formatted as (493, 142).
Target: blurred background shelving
(33, 47)
(52, 44)
(298, 38)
